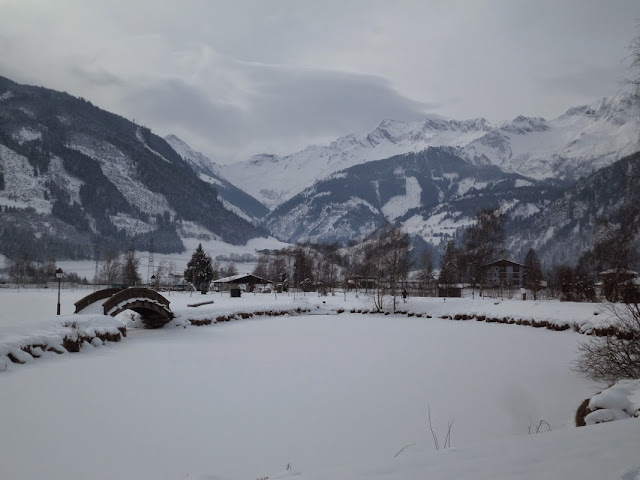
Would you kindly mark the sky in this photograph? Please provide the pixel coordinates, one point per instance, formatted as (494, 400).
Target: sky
(242, 77)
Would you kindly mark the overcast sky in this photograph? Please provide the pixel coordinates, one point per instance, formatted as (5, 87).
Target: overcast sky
(236, 78)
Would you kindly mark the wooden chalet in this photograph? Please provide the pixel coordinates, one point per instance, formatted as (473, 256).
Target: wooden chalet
(247, 282)
(504, 273)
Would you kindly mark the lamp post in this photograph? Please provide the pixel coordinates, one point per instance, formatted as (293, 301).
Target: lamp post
(59, 278)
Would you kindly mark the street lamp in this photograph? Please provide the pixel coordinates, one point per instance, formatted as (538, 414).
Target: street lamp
(59, 277)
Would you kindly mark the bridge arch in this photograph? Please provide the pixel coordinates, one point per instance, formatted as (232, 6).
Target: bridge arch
(152, 307)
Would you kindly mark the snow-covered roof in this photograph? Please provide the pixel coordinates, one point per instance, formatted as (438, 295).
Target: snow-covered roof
(250, 278)
(616, 271)
(504, 260)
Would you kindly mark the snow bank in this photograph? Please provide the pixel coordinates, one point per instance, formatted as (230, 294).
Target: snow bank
(617, 402)
(209, 314)
(68, 334)
(585, 318)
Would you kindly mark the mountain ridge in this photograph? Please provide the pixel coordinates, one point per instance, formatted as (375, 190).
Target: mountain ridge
(570, 146)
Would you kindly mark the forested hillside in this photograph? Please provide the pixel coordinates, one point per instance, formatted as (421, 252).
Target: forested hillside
(74, 177)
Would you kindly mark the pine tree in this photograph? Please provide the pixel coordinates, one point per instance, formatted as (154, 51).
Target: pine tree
(199, 270)
(450, 265)
(130, 266)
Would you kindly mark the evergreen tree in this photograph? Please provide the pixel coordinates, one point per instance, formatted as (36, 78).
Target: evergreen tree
(130, 276)
(450, 265)
(199, 270)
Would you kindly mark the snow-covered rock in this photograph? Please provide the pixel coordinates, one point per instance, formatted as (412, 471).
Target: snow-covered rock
(620, 401)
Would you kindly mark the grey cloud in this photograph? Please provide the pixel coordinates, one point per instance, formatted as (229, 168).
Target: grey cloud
(590, 82)
(173, 103)
(178, 66)
(321, 99)
(96, 78)
(283, 104)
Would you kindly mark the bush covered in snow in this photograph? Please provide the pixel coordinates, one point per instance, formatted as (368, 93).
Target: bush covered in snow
(617, 356)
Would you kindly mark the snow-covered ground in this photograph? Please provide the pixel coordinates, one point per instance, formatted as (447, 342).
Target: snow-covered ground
(333, 396)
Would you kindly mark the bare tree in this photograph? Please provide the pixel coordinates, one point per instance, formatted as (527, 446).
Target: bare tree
(483, 242)
(21, 269)
(613, 357)
(110, 270)
(262, 268)
(387, 255)
(231, 270)
(425, 274)
(216, 270)
(533, 279)
(160, 273)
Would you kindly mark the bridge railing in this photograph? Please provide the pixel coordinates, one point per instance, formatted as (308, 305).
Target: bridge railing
(94, 297)
(136, 292)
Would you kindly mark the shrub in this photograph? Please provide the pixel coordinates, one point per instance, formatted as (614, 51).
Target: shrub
(615, 356)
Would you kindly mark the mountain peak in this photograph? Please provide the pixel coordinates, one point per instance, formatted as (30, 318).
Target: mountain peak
(522, 125)
(583, 139)
(617, 109)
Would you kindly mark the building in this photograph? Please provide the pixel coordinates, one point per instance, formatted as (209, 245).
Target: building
(504, 273)
(450, 290)
(620, 284)
(245, 282)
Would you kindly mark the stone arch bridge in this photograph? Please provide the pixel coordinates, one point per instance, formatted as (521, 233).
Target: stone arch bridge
(152, 307)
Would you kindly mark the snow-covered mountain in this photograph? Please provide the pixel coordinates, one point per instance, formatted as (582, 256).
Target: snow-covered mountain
(573, 145)
(234, 199)
(74, 177)
(597, 207)
(291, 174)
(432, 194)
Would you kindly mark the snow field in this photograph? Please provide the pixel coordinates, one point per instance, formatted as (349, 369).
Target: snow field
(335, 396)
(246, 398)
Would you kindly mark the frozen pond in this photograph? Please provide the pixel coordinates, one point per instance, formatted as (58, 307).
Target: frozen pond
(245, 398)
